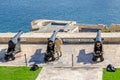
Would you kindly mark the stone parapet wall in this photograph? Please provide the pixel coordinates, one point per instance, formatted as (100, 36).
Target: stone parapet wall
(43, 37)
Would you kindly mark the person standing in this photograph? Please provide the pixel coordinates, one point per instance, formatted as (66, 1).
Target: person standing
(58, 43)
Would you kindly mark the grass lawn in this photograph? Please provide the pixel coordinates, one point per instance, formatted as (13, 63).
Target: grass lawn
(111, 75)
(18, 73)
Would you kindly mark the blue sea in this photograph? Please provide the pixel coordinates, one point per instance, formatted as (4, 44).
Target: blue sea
(16, 15)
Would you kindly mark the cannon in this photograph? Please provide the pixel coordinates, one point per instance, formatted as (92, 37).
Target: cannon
(49, 55)
(13, 47)
(98, 47)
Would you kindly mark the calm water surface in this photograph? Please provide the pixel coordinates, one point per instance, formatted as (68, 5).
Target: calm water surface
(16, 15)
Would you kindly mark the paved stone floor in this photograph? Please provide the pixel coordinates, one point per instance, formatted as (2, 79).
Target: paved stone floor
(83, 69)
(70, 73)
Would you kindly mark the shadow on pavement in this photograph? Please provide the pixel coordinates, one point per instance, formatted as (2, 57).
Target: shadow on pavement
(84, 57)
(38, 57)
(2, 55)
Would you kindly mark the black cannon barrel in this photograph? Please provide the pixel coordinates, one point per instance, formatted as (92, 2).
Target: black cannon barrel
(98, 37)
(15, 38)
(52, 38)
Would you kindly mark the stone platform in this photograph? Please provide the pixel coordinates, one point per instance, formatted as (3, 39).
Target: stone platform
(62, 69)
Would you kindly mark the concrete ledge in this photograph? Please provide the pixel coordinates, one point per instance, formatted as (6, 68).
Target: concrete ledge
(113, 37)
(38, 24)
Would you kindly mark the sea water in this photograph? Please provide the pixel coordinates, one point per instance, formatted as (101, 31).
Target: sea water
(16, 15)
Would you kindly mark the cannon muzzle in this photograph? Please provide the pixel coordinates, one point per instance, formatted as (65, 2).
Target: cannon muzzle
(98, 37)
(52, 38)
(16, 37)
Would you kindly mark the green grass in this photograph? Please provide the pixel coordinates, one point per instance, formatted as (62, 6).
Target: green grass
(18, 73)
(111, 75)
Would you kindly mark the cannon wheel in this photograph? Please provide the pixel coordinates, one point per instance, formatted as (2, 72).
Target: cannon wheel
(7, 58)
(49, 58)
(13, 58)
(94, 59)
(101, 59)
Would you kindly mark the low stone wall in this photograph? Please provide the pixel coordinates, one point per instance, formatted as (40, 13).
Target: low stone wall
(67, 37)
(115, 28)
(103, 28)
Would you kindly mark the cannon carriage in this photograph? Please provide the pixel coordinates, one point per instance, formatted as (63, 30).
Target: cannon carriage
(98, 47)
(13, 47)
(49, 56)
